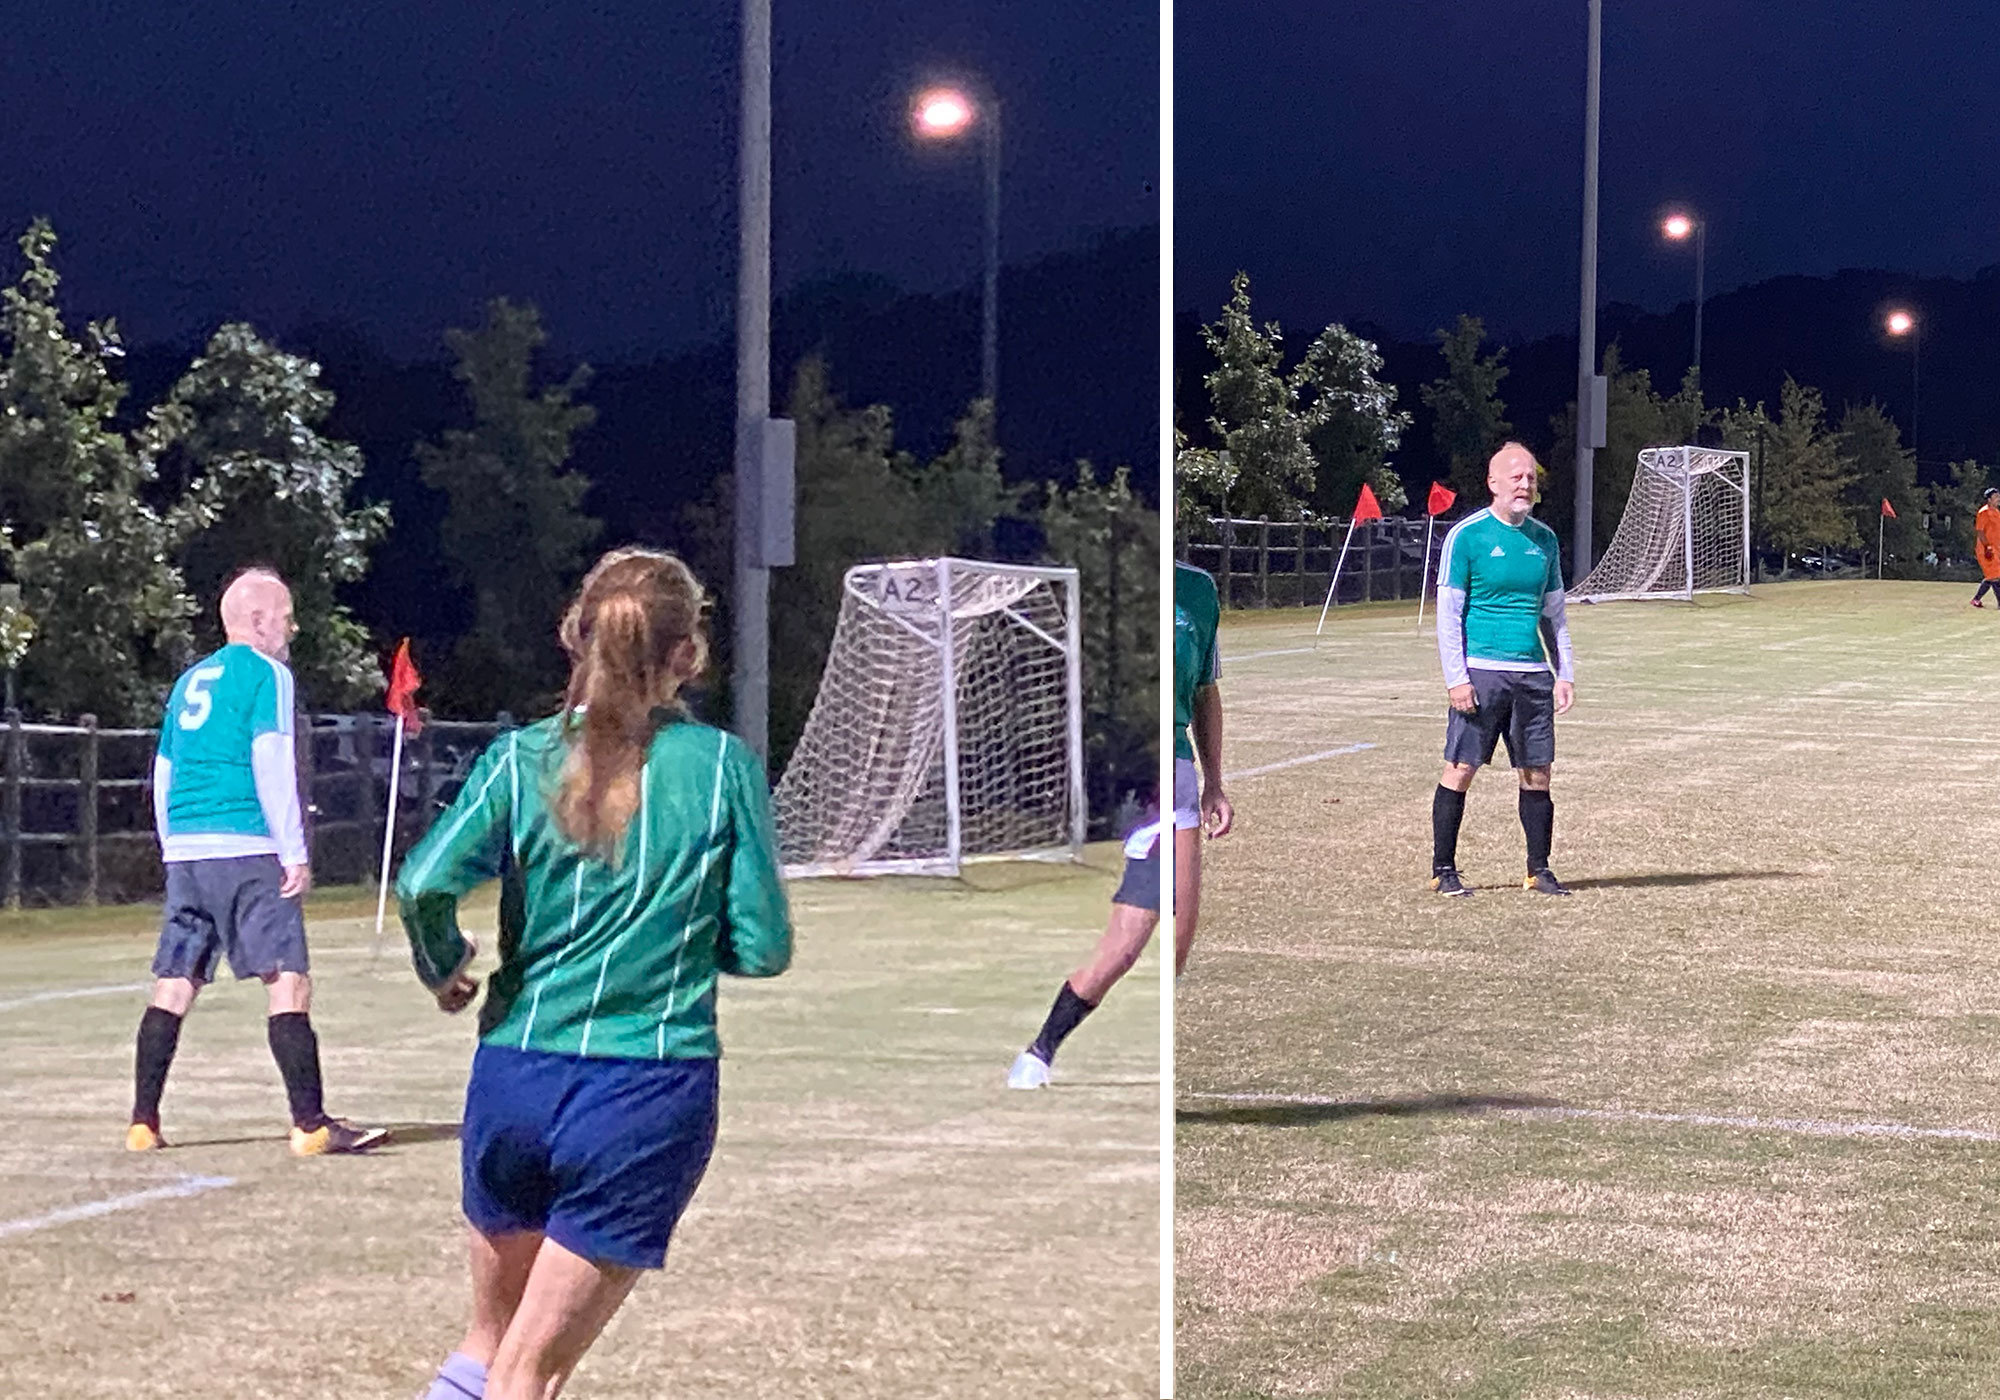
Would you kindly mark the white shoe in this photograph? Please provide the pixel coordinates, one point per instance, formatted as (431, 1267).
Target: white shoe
(1029, 1072)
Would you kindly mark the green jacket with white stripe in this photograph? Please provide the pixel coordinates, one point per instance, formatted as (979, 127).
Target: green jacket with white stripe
(620, 959)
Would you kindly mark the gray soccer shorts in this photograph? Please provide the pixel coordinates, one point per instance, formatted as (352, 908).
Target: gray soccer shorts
(229, 905)
(1140, 888)
(1518, 706)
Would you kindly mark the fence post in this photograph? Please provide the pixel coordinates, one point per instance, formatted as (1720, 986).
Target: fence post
(17, 759)
(426, 773)
(365, 809)
(1368, 563)
(302, 755)
(1228, 552)
(87, 809)
(1263, 561)
(1396, 578)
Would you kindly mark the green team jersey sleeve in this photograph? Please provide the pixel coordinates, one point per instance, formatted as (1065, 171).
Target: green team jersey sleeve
(465, 848)
(1197, 649)
(757, 933)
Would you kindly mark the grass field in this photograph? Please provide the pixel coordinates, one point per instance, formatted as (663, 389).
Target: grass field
(1727, 1123)
(882, 1217)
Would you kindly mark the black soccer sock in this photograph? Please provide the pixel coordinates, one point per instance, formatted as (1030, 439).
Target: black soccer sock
(1065, 1016)
(1538, 819)
(296, 1049)
(1447, 811)
(159, 1037)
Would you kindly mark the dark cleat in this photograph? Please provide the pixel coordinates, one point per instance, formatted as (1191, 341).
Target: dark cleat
(1544, 881)
(1446, 882)
(336, 1135)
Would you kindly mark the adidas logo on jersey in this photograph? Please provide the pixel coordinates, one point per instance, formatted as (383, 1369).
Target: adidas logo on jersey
(1498, 552)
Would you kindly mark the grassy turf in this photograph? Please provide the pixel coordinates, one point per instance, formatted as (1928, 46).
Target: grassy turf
(882, 1218)
(1779, 817)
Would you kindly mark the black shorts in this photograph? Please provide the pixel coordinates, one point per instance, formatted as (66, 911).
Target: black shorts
(229, 905)
(1140, 889)
(1518, 706)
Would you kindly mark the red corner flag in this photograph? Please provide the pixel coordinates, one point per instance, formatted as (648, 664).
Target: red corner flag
(1366, 507)
(403, 684)
(1888, 511)
(1442, 498)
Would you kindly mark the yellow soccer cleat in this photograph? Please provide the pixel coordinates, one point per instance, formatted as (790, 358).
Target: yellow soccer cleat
(335, 1136)
(141, 1138)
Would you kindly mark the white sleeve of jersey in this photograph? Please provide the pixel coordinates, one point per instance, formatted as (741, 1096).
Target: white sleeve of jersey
(1451, 635)
(1555, 634)
(274, 762)
(163, 774)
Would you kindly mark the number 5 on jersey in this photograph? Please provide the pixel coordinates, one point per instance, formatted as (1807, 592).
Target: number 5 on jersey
(199, 703)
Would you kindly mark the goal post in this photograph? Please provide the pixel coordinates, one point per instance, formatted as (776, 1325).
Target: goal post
(1686, 529)
(948, 725)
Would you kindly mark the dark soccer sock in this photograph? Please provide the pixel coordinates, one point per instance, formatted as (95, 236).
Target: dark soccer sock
(1447, 811)
(1065, 1016)
(1538, 819)
(296, 1049)
(159, 1037)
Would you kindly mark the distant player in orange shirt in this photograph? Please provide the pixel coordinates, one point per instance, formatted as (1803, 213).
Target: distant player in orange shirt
(1986, 546)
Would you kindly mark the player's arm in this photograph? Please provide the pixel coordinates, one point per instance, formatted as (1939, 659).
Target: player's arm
(1453, 579)
(1218, 814)
(756, 935)
(274, 764)
(465, 847)
(1555, 635)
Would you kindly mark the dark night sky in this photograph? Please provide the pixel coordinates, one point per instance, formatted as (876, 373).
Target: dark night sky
(394, 164)
(1400, 161)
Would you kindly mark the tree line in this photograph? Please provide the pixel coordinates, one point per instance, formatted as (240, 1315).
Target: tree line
(1297, 442)
(118, 529)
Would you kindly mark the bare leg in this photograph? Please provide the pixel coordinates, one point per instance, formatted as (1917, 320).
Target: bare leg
(1458, 776)
(288, 992)
(567, 1302)
(175, 994)
(1125, 937)
(1187, 893)
(500, 1267)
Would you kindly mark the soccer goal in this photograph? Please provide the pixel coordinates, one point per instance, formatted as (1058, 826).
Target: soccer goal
(948, 725)
(1686, 529)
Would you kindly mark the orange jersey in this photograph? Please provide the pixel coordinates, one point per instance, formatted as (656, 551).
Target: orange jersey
(1986, 541)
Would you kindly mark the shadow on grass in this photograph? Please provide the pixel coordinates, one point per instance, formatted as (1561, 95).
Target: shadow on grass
(1305, 1115)
(400, 1135)
(1679, 879)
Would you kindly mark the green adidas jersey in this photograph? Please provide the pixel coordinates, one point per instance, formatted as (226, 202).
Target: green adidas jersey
(618, 960)
(1197, 657)
(216, 712)
(1505, 577)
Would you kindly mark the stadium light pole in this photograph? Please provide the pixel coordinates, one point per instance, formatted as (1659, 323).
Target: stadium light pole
(750, 662)
(1681, 227)
(1589, 408)
(944, 114)
(1903, 324)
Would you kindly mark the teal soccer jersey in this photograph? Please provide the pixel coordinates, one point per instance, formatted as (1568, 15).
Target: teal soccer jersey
(614, 959)
(1197, 657)
(1500, 589)
(224, 778)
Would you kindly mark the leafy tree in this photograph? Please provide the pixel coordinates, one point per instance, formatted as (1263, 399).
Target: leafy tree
(92, 557)
(1951, 505)
(1350, 422)
(962, 493)
(1872, 447)
(1468, 418)
(1263, 465)
(1112, 540)
(1805, 479)
(514, 528)
(1636, 417)
(238, 446)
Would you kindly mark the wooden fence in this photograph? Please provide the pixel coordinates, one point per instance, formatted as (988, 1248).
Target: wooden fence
(76, 815)
(1268, 563)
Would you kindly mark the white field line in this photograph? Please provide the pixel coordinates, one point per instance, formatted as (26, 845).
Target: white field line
(1228, 659)
(186, 1186)
(72, 992)
(1808, 1127)
(1296, 762)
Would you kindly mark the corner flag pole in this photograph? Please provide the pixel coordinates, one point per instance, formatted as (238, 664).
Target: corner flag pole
(1424, 574)
(1335, 583)
(388, 837)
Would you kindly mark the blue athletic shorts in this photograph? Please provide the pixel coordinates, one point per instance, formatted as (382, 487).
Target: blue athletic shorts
(1140, 889)
(600, 1155)
(229, 905)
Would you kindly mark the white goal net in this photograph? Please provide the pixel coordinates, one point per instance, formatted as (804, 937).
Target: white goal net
(948, 724)
(1686, 529)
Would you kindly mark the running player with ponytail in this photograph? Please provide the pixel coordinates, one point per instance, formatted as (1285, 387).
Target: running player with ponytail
(637, 861)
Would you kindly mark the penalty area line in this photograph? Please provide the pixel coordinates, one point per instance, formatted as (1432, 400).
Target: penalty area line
(73, 992)
(186, 1186)
(1805, 1127)
(1296, 762)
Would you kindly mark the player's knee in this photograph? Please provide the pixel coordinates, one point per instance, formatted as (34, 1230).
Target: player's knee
(1535, 779)
(1458, 776)
(289, 992)
(175, 994)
